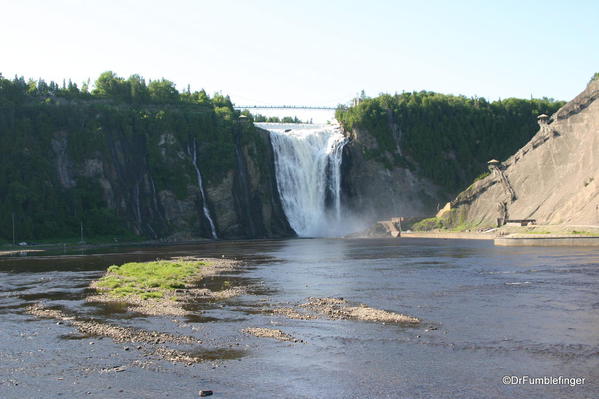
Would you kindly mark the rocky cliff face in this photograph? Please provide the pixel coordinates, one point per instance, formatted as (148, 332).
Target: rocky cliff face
(243, 201)
(373, 191)
(554, 178)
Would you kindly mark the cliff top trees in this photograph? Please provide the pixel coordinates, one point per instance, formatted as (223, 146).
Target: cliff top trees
(163, 91)
(109, 86)
(444, 137)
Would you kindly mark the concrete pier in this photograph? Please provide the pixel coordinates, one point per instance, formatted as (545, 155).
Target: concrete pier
(552, 241)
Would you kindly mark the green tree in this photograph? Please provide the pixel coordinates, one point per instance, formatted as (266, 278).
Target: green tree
(163, 91)
(111, 86)
(138, 91)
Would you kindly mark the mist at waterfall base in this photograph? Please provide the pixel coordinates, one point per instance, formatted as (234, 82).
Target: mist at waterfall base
(308, 160)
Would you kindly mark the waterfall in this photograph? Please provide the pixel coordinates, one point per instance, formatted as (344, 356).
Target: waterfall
(308, 170)
(194, 157)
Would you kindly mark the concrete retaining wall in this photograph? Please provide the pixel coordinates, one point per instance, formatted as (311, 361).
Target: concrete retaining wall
(548, 241)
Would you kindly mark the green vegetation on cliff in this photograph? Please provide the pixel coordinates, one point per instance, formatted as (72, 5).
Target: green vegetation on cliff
(446, 138)
(63, 147)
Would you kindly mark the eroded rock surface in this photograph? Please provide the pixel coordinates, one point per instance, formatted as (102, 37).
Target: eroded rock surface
(553, 179)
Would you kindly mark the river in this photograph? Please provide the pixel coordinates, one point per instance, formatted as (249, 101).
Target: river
(486, 312)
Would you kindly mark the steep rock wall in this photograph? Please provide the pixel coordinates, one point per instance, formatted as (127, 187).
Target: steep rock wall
(119, 170)
(243, 203)
(373, 191)
(554, 177)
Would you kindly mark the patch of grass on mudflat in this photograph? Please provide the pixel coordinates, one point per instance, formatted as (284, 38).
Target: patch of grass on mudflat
(584, 233)
(148, 279)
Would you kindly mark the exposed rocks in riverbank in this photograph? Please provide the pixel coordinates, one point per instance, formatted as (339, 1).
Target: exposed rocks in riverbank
(270, 333)
(339, 308)
(332, 308)
(117, 333)
(292, 313)
(150, 343)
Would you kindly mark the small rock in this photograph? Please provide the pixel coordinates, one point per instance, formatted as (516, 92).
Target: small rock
(205, 393)
(59, 323)
(138, 347)
(126, 348)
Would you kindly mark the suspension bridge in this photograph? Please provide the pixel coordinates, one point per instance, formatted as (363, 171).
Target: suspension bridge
(324, 107)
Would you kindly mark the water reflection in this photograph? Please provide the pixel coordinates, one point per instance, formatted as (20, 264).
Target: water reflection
(487, 311)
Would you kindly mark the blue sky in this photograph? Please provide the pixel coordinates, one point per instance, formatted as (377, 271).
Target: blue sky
(311, 52)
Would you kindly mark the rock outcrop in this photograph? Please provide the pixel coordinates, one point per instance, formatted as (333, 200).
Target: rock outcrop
(374, 192)
(553, 179)
(243, 203)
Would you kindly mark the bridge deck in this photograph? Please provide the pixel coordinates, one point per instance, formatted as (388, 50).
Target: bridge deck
(283, 107)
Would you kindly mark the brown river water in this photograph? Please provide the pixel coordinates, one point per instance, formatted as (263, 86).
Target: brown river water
(487, 312)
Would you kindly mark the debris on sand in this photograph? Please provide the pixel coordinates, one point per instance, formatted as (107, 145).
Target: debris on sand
(339, 308)
(270, 333)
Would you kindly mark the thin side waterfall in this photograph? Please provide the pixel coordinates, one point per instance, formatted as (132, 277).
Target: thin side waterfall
(308, 169)
(194, 157)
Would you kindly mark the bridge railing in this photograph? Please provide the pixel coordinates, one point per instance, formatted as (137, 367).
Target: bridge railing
(284, 107)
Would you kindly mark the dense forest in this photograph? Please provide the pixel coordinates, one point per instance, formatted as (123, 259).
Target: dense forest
(35, 115)
(446, 138)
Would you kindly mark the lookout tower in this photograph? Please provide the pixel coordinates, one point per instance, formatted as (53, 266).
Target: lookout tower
(543, 120)
(492, 164)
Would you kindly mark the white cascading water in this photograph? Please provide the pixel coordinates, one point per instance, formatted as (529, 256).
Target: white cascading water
(308, 168)
(194, 158)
